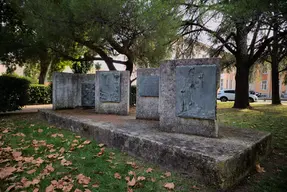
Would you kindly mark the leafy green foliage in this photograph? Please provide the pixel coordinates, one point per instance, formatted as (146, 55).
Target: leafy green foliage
(82, 67)
(39, 94)
(13, 92)
(133, 95)
(140, 30)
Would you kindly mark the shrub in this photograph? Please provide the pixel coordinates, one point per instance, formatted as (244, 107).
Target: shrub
(133, 95)
(39, 94)
(13, 92)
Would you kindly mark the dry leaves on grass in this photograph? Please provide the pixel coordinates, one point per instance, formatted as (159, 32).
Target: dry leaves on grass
(259, 169)
(117, 176)
(132, 182)
(62, 150)
(141, 178)
(132, 164)
(6, 172)
(96, 185)
(57, 135)
(167, 174)
(101, 152)
(40, 130)
(65, 162)
(101, 145)
(86, 142)
(149, 170)
(82, 179)
(31, 171)
(169, 186)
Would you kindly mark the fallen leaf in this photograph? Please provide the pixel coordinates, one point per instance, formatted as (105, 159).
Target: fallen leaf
(10, 187)
(169, 186)
(40, 130)
(153, 180)
(127, 178)
(35, 181)
(26, 183)
(141, 178)
(167, 174)
(5, 131)
(50, 188)
(50, 168)
(36, 190)
(31, 171)
(194, 187)
(87, 190)
(96, 185)
(101, 145)
(78, 136)
(132, 182)
(130, 190)
(259, 169)
(16, 154)
(6, 172)
(117, 176)
(101, 152)
(149, 170)
(65, 162)
(131, 173)
(62, 150)
(82, 179)
(133, 164)
(86, 142)
(78, 190)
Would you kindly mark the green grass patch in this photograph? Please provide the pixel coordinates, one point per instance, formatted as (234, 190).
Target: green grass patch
(36, 139)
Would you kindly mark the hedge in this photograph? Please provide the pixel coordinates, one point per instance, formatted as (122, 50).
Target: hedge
(39, 94)
(133, 95)
(13, 92)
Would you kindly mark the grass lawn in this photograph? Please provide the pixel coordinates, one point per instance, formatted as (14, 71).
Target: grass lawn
(35, 156)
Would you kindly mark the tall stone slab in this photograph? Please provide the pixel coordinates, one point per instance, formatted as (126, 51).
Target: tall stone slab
(72, 90)
(187, 96)
(112, 91)
(147, 94)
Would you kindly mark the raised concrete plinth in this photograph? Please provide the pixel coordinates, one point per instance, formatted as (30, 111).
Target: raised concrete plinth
(221, 162)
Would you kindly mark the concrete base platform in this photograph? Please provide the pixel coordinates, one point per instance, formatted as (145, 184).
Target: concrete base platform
(221, 162)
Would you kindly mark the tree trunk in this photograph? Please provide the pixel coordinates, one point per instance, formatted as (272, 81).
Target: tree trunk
(242, 67)
(275, 63)
(242, 87)
(44, 66)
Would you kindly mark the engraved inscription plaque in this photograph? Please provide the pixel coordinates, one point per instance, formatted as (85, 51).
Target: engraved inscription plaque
(148, 86)
(88, 94)
(110, 87)
(196, 91)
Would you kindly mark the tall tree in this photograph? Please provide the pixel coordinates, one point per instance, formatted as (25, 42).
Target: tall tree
(240, 31)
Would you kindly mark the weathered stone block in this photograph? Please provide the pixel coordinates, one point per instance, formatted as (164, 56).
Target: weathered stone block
(195, 91)
(112, 92)
(110, 86)
(67, 89)
(194, 120)
(147, 94)
(88, 94)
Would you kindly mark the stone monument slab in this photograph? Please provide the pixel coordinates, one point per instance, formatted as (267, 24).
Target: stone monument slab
(187, 104)
(67, 89)
(110, 89)
(112, 92)
(147, 94)
(195, 91)
(148, 86)
(88, 94)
